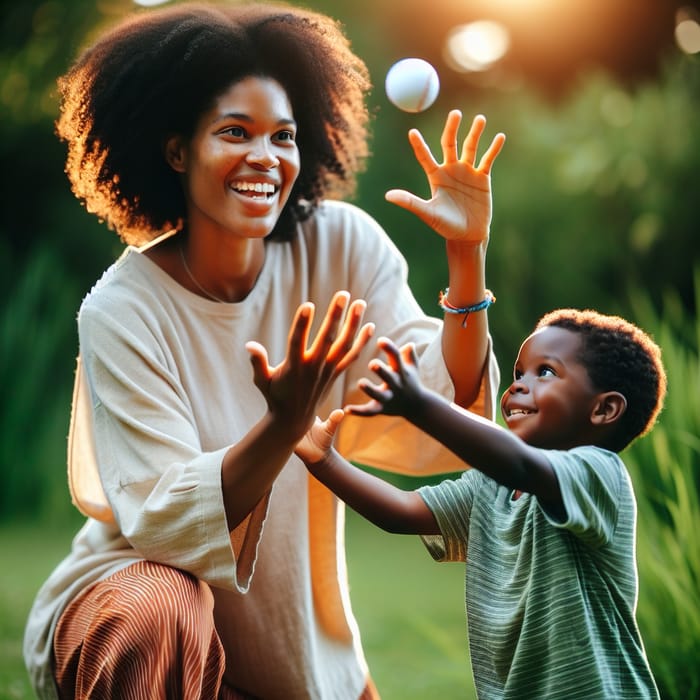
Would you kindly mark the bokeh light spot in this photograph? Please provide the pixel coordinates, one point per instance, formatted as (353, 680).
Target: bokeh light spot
(476, 46)
(687, 35)
(150, 3)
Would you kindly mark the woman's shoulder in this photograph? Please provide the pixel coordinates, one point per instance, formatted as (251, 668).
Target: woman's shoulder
(127, 284)
(343, 217)
(346, 226)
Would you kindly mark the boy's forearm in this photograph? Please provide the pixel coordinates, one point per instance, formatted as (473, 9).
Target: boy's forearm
(383, 504)
(479, 442)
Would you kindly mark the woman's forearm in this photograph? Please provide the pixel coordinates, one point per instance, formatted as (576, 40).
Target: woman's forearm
(251, 465)
(465, 347)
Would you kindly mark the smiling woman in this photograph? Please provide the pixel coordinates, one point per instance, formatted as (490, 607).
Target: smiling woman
(213, 139)
(240, 166)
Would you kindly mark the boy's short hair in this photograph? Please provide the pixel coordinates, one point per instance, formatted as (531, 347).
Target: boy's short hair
(154, 74)
(618, 356)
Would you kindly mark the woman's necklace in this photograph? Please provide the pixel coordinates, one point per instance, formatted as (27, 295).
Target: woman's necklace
(194, 280)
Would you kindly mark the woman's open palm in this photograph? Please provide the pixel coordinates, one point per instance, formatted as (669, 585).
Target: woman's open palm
(295, 386)
(460, 204)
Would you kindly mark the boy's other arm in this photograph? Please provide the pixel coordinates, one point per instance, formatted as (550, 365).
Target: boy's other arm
(491, 449)
(385, 505)
(481, 443)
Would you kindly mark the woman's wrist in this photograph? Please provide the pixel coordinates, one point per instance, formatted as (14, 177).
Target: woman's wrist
(466, 265)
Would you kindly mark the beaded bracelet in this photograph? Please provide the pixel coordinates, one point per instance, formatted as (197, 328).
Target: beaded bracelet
(445, 305)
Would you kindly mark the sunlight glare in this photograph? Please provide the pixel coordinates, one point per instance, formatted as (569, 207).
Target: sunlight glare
(476, 46)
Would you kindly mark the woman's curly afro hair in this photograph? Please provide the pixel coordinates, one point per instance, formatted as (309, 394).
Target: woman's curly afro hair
(618, 356)
(155, 73)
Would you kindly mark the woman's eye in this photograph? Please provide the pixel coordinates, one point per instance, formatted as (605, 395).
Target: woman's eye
(235, 131)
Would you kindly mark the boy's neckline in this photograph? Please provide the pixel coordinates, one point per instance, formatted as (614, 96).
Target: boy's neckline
(515, 494)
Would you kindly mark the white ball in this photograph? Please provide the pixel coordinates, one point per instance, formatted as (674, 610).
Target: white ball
(412, 84)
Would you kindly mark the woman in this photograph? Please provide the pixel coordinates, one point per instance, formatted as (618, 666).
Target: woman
(212, 139)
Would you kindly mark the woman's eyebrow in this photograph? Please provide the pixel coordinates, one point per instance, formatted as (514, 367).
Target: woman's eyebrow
(242, 116)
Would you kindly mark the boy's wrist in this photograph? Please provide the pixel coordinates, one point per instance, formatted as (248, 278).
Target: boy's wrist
(320, 464)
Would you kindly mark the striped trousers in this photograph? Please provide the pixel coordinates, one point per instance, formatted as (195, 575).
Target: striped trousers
(145, 633)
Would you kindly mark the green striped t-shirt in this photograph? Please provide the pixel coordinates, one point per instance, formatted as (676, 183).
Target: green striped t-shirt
(550, 605)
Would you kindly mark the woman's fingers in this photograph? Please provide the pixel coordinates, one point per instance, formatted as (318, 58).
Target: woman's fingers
(361, 340)
(471, 141)
(342, 335)
(299, 331)
(329, 326)
(448, 140)
(261, 366)
(486, 162)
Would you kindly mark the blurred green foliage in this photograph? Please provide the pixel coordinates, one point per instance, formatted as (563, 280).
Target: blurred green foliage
(665, 469)
(594, 206)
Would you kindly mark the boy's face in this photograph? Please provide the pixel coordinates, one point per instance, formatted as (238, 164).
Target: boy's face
(551, 399)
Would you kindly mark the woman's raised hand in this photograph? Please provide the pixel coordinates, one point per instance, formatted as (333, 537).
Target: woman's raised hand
(460, 204)
(295, 386)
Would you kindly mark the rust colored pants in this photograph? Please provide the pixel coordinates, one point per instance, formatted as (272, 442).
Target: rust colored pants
(105, 645)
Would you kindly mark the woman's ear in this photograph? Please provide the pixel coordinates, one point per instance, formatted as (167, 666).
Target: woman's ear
(175, 153)
(609, 408)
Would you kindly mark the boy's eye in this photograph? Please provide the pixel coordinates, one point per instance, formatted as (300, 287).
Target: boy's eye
(517, 374)
(547, 372)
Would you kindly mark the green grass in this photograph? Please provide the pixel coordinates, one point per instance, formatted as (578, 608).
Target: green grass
(409, 608)
(28, 553)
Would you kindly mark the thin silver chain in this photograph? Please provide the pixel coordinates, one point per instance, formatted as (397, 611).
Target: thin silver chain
(194, 280)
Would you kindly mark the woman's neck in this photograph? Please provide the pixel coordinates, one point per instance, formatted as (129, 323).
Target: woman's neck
(220, 269)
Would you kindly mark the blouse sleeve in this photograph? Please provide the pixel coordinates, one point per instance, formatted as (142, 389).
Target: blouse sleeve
(132, 425)
(378, 273)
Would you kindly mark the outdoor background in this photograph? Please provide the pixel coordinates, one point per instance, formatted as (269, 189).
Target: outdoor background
(595, 205)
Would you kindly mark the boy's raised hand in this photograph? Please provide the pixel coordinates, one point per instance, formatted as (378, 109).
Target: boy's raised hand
(459, 208)
(401, 392)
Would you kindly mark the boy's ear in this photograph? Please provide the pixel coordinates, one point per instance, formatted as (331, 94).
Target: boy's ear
(609, 408)
(175, 153)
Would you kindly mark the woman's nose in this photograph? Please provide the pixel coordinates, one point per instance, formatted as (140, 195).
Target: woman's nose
(261, 155)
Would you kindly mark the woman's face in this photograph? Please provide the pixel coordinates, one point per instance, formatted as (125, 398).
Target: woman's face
(242, 161)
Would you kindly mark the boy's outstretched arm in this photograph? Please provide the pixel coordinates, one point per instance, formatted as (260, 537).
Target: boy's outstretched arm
(388, 507)
(488, 447)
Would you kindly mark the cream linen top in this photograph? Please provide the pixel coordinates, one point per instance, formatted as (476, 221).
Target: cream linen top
(163, 389)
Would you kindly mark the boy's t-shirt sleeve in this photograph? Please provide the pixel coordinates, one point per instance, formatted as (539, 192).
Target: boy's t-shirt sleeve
(451, 502)
(592, 481)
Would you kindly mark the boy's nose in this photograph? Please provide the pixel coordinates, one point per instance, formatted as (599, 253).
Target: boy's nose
(519, 386)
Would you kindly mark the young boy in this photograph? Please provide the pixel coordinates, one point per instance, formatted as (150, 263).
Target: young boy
(545, 520)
